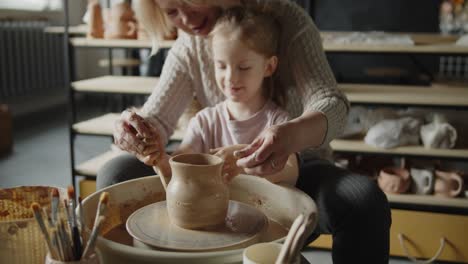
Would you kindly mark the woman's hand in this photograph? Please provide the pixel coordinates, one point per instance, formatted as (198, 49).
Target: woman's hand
(268, 153)
(134, 134)
(230, 169)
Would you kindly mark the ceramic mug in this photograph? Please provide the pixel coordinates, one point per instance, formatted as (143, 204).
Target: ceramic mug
(263, 253)
(448, 184)
(394, 180)
(422, 181)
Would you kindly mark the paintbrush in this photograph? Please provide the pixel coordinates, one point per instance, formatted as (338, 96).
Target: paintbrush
(102, 206)
(92, 238)
(56, 243)
(82, 220)
(54, 205)
(75, 233)
(67, 213)
(65, 240)
(36, 208)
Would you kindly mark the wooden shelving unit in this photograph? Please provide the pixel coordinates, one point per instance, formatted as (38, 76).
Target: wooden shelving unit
(374, 94)
(436, 95)
(104, 126)
(83, 42)
(91, 167)
(428, 200)
(117, 84)
(359, 146)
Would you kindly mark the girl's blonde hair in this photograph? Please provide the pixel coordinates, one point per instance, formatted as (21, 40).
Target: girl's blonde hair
(260, 32)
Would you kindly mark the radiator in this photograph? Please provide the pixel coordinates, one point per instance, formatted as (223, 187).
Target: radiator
(31, 61)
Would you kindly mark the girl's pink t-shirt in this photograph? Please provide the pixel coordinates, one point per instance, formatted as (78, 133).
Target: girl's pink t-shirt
(212, 128)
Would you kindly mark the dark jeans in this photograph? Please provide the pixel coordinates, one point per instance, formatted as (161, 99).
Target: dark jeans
(351, 207)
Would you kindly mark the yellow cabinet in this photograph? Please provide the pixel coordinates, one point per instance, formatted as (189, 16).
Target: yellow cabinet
(422, 233)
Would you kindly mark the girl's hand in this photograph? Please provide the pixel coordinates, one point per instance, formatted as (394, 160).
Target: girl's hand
(134, 134)
(230, 169)
(268, 153)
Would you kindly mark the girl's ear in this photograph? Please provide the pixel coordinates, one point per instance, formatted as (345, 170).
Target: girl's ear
(270, 66)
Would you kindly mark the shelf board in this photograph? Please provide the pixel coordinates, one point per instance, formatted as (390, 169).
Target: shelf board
(117, 43)
(425, 43)
(359, 146)
(73, 30)
(421, 49)
(435, 95)
(101, 125)
(117, 84)
(104, 126)
(90, 168)
(418, 38)
(429, 200)
(120, 62)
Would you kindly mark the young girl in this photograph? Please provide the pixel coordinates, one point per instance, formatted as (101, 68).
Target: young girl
(244, 46)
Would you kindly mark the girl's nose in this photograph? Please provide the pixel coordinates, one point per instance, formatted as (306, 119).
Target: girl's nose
(231, 77)
(184, 17)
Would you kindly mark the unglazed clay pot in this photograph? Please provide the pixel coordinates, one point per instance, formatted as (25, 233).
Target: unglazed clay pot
(394, 180)
(120, 22)
(96, 22)
(196, 195)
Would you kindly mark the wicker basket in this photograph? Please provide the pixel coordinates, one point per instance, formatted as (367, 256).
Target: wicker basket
(20, 236)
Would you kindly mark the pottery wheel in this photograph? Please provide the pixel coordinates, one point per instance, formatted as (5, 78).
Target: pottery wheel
(150, 225)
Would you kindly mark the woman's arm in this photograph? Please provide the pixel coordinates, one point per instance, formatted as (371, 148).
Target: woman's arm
(145, 133)
(324, 106)
(174, 91)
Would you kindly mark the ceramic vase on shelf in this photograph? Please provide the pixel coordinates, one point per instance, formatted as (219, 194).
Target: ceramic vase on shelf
(120, 22)
(96, 22)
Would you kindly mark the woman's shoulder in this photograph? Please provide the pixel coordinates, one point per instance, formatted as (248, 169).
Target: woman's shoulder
(293, 19)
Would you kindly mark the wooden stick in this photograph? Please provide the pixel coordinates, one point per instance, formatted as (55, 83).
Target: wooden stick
(287, 242)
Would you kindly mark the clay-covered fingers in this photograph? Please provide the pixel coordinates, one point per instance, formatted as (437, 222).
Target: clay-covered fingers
(249, 149)
(138, 123)
(229, 172)
(150, 160)
(273, 164)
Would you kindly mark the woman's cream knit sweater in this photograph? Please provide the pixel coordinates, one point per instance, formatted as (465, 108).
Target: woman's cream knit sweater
(303, 70)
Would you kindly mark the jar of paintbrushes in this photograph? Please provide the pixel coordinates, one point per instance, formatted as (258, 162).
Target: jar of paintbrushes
(66, 239)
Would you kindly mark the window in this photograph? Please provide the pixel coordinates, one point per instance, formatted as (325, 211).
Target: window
(31, 5)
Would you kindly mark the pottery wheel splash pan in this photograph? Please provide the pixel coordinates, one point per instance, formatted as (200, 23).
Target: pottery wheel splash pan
(150, 227)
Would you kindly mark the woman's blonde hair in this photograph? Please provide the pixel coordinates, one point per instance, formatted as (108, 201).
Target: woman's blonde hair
(260, 32)
(156, 23)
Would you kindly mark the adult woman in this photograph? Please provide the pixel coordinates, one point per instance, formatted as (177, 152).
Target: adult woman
(351, 207)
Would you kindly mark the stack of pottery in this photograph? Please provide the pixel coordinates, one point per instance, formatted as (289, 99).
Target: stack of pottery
(395, 180)
(120, 22)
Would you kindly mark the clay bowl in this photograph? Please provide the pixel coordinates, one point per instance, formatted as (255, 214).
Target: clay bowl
(279, 203)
